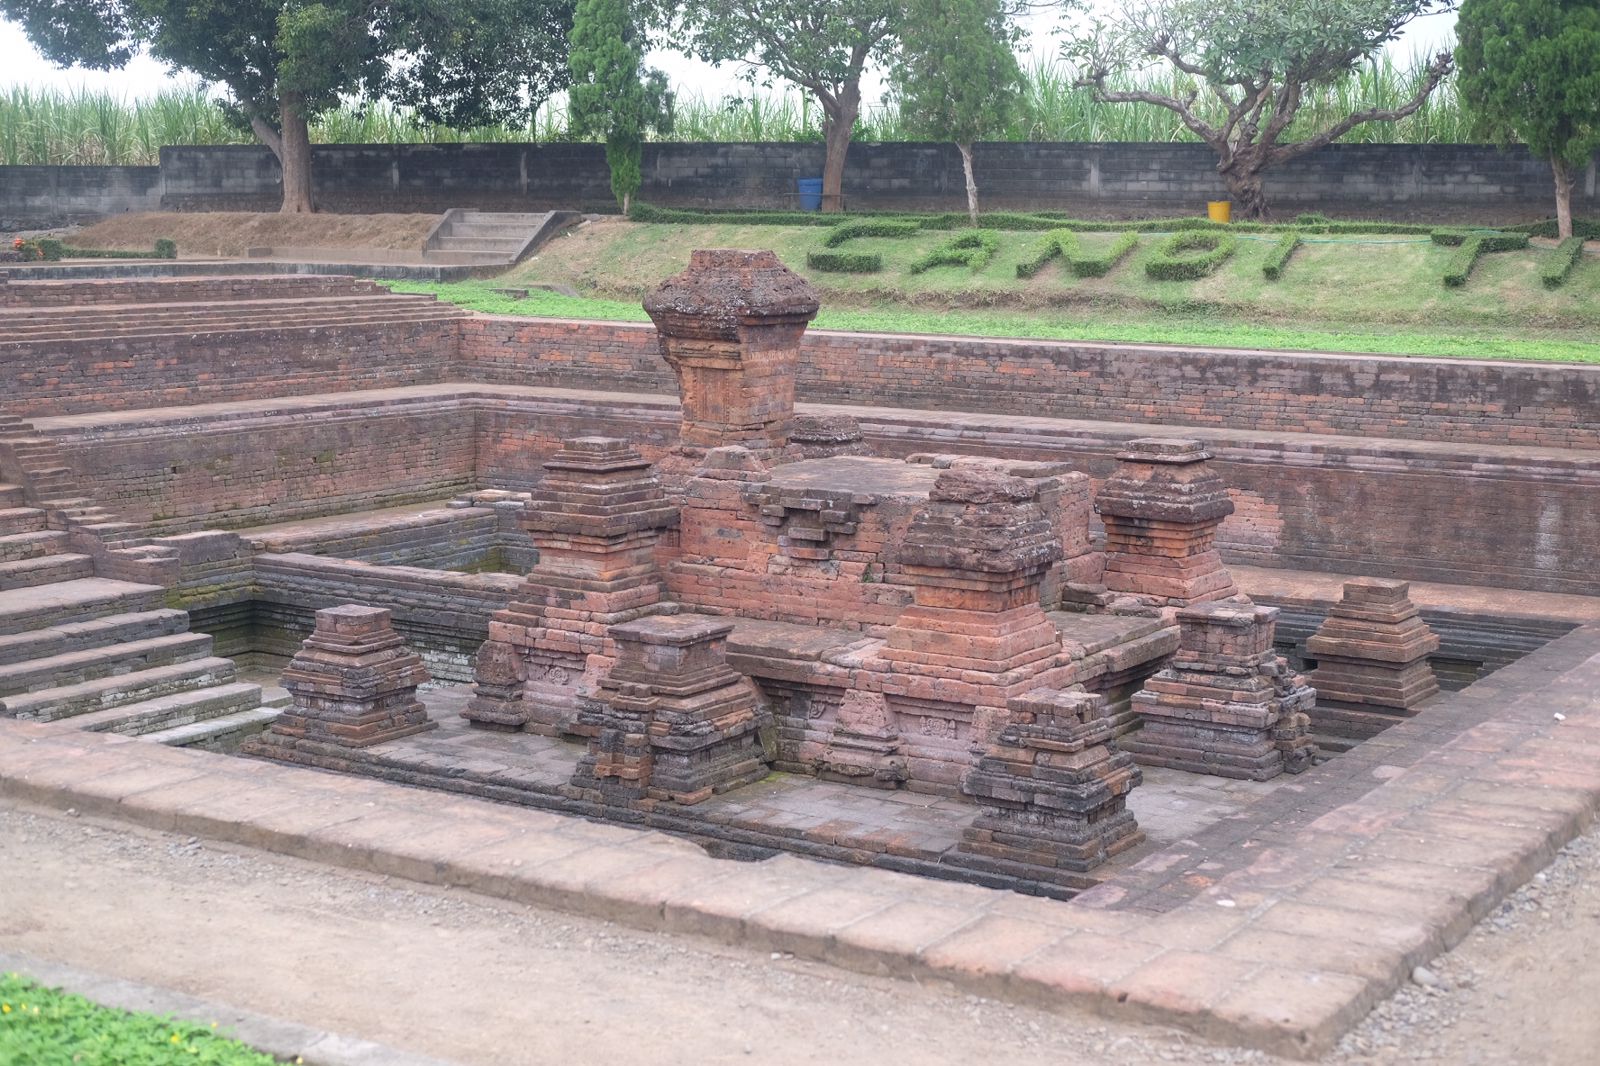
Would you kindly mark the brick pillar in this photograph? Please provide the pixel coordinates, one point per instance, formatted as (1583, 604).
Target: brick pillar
(1372, 663)
(1227, 704)
(672, 720)
(975, 635)
(730, 328)
(354, 682)
(595, 518)
(1052, 790)
(1161, 508)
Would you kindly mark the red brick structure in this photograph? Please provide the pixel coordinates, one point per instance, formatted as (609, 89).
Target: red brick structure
(595, 520)
(671, 720)
(730, 328)
(1161, 510)
(1227, 704)
(1052, 789)
(354, 683)
(1372, 663)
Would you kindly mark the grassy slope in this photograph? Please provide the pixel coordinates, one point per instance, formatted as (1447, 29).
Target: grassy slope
(1370, 294)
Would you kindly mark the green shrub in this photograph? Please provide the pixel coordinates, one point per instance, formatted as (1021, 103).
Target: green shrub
(870, 227)
(1172, 264)
(51, 249)
(639, 212)
(1098, 266)
(1312, 219)
(1013, 220)
(1278, 258)
(1555, 269)
(1490, 240)
(1060, 242)
(845, 262)
(972, 250)
(1587, 228)
(166, 248)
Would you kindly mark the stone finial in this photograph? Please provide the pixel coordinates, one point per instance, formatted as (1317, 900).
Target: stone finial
(825, 436)
(672, 720)
(730, 328)
(1226, 704)
(980, 520)
(1052, 789)
(1372, 663)
(865, 747)
(1161, 508)
(354, 682)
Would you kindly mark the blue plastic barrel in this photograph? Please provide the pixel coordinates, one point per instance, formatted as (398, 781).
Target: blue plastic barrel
(810, 190)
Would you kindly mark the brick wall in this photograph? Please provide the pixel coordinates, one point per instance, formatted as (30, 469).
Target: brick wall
(1419, 399)
(1435, 182)
(54, 377)
(221, 469)
(204, 289)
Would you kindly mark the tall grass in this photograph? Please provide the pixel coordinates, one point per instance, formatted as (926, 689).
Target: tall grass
(80, 127)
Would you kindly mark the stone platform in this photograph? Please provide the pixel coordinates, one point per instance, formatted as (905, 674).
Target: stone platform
(1278, 926)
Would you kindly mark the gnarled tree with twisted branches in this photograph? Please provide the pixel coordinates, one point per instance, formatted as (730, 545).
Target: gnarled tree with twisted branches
(1250, 64)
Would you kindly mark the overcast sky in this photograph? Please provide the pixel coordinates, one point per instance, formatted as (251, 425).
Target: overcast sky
(144, 76)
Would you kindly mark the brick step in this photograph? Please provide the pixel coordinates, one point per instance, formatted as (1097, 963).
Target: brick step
(445, 313)
(528, 219)
(71, 602)
(12, 496)
(491, 229)
(88, 664)
(59, 317)
(14, 520)
(222, 733)
(227, 321)
(173, 709)
(188, 289)
(108, 693)
(505, 245)
(45, 570)
(16, 546)
(98, 633)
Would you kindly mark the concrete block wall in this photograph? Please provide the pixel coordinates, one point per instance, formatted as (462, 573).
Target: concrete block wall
(1422, 182)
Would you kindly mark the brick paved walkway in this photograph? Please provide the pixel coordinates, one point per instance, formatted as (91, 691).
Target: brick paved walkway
(1277, 928)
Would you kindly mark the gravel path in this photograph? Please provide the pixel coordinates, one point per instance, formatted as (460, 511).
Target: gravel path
(477, 981)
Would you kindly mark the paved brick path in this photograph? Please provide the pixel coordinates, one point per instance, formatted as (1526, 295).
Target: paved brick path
(1276, 929)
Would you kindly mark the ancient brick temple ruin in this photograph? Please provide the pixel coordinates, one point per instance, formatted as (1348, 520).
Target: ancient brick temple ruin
(1372, 663)
(942, 640)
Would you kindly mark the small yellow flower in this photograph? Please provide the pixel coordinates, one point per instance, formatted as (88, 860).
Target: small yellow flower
(175, 1038)
(5, 1008)
(213, 1025)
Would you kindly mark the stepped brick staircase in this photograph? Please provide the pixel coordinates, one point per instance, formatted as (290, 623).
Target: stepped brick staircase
(492, 238)
(35, 325)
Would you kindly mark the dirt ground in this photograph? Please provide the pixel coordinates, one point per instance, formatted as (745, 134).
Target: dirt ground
(476, 981)
(229, 233)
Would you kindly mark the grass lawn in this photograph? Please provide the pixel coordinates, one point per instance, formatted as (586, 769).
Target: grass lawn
(45, 1027)
(1379, 294)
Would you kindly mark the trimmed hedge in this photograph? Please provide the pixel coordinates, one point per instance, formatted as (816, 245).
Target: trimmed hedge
(1171, 264)
(1554, 270)
(1278, 258)
(1490, 240)
(55, 250)
(1061, 242)
(845, 262)
(1098, 266)
(1587, 228)
(972, 250)
(872, 227)
(1043, 221)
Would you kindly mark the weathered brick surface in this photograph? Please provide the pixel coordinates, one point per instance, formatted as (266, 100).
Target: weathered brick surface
(1420, 399)
(198, 289)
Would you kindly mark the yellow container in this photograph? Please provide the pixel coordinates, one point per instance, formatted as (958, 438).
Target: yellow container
(1219, 210)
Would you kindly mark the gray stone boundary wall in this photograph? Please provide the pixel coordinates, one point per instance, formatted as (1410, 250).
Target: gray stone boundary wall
(1432, 182)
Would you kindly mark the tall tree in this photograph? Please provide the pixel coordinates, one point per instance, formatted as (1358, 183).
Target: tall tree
(1530, 69)
(1255, 60)
(284, 63)
(609, 97)
(957, 75)
(822, 46)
